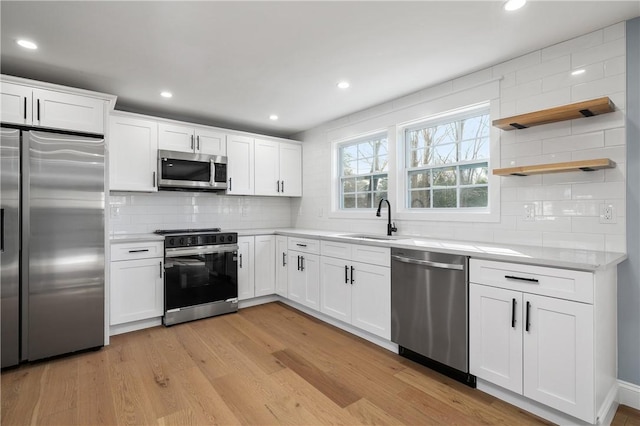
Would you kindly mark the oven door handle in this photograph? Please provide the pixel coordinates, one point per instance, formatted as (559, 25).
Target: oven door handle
(190, 251)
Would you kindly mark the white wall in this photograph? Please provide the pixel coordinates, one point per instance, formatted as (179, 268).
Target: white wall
(567, 205)
(141, 213)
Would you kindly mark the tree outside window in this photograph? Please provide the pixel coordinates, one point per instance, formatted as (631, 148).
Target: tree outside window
(364, 165)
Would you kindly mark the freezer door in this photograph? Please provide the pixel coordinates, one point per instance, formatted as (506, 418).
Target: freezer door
(63, 197)
(10, 245)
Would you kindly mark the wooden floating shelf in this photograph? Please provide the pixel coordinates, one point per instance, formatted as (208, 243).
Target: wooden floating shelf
(571, 166)
(553, 115)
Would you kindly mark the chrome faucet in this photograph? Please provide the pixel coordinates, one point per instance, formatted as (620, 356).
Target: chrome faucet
(391, 227)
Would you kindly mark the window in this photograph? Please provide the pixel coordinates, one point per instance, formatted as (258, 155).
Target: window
(447, 162)
(363, 169)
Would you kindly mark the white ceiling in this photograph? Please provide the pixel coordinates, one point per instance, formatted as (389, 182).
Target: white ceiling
(232, 64)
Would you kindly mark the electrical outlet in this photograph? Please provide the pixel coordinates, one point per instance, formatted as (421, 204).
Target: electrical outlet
(607, 213)
(529, 212)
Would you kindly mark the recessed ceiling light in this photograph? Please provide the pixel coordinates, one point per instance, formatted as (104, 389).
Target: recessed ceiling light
(511, 5)
(273, 117)
(27, 44)
(166, 94)
(343, 85)
(578, 72)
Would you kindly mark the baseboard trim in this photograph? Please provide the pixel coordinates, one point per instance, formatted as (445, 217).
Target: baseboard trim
(629, 394)
(134, 326)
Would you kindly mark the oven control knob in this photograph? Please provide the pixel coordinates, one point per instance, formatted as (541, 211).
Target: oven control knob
(171, 241)
(181, 241)
(230, 238)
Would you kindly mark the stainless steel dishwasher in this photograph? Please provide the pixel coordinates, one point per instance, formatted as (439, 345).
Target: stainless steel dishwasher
(429, 310)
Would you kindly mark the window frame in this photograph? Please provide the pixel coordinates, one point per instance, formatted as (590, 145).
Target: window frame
(491, 213)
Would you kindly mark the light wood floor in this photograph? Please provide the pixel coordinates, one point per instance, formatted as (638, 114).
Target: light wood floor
(265, 365)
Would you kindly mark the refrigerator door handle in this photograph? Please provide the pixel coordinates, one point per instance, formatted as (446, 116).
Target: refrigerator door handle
(2, 230)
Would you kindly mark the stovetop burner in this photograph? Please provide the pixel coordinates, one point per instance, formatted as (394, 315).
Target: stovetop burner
(186, 231)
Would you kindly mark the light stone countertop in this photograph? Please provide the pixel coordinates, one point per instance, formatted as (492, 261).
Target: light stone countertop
(583, 260)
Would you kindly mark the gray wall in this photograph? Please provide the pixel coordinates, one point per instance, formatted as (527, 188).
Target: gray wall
(629, 271)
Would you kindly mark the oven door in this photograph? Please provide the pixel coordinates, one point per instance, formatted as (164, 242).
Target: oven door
(200, 275)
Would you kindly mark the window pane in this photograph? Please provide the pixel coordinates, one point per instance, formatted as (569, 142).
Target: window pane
(363, 184)
(381, 163)
(348, 156)
(365, 150)
(363, 201)
(349, 201)
(420, 157)
(475, 127)
(377, 197)
(444, 177)
(444, 198)
(348, 185)
(380, 183)
(444, 134)
(444, 154)
(419, 179)
(475, 174)
(474, 197)
(420, 199)
(476, 149)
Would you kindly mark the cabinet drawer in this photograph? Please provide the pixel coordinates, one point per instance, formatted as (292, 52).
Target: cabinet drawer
(554, 282)
(370, 254)
(142, 250)
(335, 249)
(304, 245)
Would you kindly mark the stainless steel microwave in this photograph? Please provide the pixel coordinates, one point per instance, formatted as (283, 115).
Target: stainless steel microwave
(189, 171)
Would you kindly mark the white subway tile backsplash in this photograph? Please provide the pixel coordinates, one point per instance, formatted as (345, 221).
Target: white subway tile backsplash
(530, 238)
(513, 65)
(598, 191)
(544, 100)
(615, 243)
(598, 53)
(614, 32)
(577, 44)
(547, 131)
(613, 137)
(545, 224)
(592, 225)
(616, 153)
(598, 88)
(520, 91)
(472, 79)
(611, 120)
(573, 143)
(615, 66)
(565, 79)
(542, 193)
(573, 177)
(544, 69)
(524, 149)
(574, 241)
(572, 208)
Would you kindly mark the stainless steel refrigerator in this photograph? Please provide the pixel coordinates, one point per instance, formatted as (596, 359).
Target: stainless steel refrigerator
(52, 243)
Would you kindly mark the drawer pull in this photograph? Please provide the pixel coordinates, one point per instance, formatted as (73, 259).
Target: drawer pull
(301, 245)
(513, 313)
(284, 259)
(161, 269)
(513, 277)
(526, 321)
(346, 274)
(138, 251)
(352, 269)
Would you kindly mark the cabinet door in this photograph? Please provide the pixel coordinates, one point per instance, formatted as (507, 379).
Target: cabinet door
(70, 112)
(176, 138)
(264, 265)
(335, 288)
(267, 180)
(15, 103)
(311, 270)
(240, 165)
(281, 266)
(211, 142)
(297, 283)
(246, 283)
(558, 355)
(495, 336)
(133, 154)
(290, 169)
(137, 290)
(371, 299)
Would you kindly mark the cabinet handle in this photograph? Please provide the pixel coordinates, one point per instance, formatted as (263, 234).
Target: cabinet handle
(513, 313)
(301, 245)
(513, 277)
(282, 187)
(191, 141)
(526, 321)
(229, 184)
(284, 259)
(138, 251)
(161, 269)
(25, 107)
(302, 263)
(154, 179)
(298, 263)
(38, 109)
(1, 229)
(198, 143)
(346, 274)
(352, 270)
(277, 186)
(240, 265)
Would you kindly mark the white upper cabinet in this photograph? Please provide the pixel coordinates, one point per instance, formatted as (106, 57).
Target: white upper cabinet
(174, 137)
(278, 170)
(240, 165)
(31, 106)
(133, 154)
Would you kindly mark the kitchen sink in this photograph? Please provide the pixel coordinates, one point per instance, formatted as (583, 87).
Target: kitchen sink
(371, 237)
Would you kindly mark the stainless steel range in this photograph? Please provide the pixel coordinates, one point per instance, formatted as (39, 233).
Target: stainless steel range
(201, 274)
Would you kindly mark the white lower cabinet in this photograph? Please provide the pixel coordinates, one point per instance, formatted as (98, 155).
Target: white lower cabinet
(282, 272)
(304, 272)
(246, 277)
(540, 346)
(357, 293)
(264, 269)
(137, 285)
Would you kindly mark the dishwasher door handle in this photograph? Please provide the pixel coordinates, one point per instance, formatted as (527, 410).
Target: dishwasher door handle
(440, 265)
